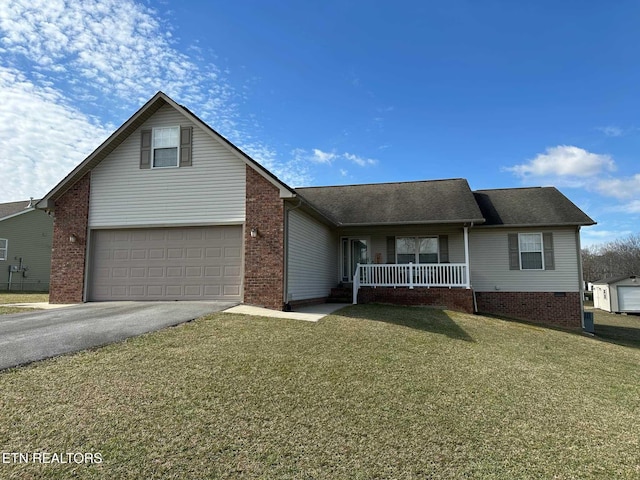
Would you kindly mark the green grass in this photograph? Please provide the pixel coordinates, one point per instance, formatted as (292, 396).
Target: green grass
(369, 392)
(6, 297)
(622, 329)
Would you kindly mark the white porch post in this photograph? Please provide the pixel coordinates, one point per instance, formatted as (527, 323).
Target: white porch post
(466, 258)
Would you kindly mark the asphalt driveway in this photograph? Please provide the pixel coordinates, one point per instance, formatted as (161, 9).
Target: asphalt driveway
(31, 336)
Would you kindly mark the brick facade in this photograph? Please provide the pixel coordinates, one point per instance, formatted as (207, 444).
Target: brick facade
(264, 254)
(67, 258)
(460, 299)
(549, 308)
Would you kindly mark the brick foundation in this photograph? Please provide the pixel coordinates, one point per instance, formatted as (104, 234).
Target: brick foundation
(549, 308)
(263, 255)
(68, 259)
(460, 299)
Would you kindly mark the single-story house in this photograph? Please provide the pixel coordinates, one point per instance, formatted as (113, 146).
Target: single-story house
(25, 247)
(167, 208)
(620, 294)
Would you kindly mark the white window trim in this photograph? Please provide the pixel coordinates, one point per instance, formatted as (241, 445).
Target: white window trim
(4, 252)
(541, 252)
(416, 255)
(153, 148)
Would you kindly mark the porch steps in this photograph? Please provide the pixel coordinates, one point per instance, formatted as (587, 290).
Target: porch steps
(341, 295)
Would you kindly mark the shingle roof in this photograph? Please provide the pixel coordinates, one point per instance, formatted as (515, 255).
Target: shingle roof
(434, 201)
(529, 206)
(11, 208)
(614, 279)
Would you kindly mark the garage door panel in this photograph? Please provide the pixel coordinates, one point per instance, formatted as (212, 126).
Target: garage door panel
(165, 263)
(629, 299)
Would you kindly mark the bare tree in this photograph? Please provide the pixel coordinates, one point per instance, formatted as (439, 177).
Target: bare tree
(620, 257)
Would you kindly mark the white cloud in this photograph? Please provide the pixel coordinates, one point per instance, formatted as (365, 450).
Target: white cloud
(564, 161)
(322, 157)
(361, 161)
(59, 59)
(622, 188)
(41, 137)
(611, 131)
(631, 207)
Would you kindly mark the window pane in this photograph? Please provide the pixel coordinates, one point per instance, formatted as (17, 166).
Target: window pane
(405, 249)
(165, 137)
(531, 260)
(530, 242)
(165, 157)
(428, 250)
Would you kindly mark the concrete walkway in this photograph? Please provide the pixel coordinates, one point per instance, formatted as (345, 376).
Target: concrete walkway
(312, 313)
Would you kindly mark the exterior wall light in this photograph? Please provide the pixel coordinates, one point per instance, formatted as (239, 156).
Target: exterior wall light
(254, 232)
(73, 238)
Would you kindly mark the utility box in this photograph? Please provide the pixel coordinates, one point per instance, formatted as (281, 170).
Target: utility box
(14, 268)
(588, 322)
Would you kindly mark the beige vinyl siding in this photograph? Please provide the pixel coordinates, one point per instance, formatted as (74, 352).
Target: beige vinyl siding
(211, 191)
(490, 262)
(312, 268)
(29, 236)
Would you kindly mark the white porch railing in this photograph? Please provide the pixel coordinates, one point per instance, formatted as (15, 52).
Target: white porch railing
(409, 275)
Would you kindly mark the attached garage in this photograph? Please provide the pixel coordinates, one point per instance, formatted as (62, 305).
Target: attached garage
(193, 263)
(618, 294)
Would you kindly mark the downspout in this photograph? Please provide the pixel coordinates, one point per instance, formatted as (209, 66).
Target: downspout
(468, 262)
(285, 301)
(580, 277)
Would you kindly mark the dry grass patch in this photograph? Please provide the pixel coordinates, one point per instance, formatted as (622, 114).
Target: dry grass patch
(9, 297)
(369, 392)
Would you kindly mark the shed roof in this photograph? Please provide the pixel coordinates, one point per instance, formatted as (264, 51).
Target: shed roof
(433, 201)
(536, 206)
(13, 208)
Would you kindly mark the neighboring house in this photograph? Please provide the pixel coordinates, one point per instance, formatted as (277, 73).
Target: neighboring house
(619, 294)
(166, 208)
(25, 247)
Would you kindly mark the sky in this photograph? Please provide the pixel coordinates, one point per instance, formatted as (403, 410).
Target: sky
(505, 94)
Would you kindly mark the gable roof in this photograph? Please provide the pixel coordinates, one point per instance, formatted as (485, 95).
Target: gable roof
(121, 134)
(433, 201)
(614, 279)
(537, 206)
(11, 209)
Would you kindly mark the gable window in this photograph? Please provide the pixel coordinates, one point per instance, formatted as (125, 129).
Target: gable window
(4, 246)
(417, 250)
(531, 251)
(166, 141)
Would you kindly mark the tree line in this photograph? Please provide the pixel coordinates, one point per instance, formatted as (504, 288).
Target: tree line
(619, 257)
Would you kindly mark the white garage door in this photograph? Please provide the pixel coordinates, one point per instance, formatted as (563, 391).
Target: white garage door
(196, 263)
(629, 299)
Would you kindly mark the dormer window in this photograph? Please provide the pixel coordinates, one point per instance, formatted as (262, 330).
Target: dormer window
(165, 147)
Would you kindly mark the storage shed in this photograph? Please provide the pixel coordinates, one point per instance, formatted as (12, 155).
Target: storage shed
(617, 294)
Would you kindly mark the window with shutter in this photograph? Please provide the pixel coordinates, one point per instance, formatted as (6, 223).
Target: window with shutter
(166, 147)
(4, 247)
(531, 251)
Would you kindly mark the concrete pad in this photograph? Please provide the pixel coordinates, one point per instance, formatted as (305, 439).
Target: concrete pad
(311, 313)
(40, 305)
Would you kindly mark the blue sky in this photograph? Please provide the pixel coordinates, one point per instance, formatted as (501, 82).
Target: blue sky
(505, 94)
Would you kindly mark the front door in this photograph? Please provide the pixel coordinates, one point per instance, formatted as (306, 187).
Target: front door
(354, 251)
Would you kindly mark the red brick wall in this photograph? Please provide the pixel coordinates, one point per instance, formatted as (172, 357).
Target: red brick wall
(460, 299)
(68, 259)
(540, 307)
(263, 255)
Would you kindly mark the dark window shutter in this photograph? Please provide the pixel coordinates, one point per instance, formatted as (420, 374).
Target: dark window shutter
(185, 146)
(549, 259)
(145, 149)
(391, 249)
(443, 241)
(514, 252)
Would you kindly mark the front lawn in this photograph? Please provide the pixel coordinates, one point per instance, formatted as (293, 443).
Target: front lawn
(369, 392)
(11, 297)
